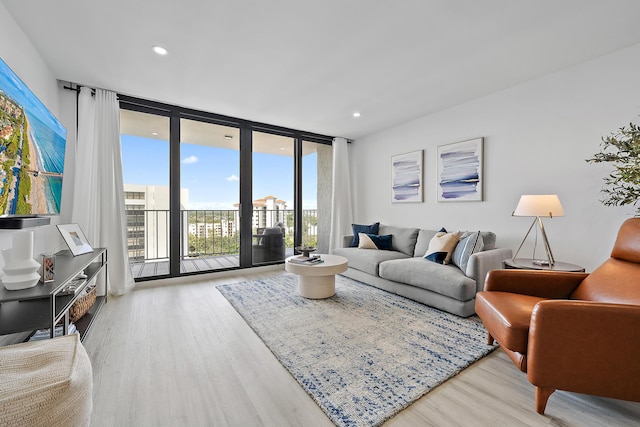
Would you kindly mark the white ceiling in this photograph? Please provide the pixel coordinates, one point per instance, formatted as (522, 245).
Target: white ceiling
(309, 64)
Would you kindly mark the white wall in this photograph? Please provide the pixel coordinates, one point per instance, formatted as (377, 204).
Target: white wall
(537, 137)
(22, 57)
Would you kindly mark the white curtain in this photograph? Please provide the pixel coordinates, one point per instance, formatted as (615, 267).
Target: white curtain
(98, 196)
(341, 211)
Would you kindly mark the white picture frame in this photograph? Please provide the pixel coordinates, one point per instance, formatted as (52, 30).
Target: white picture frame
(460, 175)
(75, 239)
(406, 177)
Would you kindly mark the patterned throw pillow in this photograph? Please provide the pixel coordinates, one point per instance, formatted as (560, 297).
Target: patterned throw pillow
(372, 241)
(469, 244)
(360, 228)
(441, 247)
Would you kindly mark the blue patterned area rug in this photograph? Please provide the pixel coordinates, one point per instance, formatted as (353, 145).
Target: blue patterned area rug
(363, 354)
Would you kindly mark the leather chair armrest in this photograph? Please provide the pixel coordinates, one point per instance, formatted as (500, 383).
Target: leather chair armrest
(586, 347)
(543, 284)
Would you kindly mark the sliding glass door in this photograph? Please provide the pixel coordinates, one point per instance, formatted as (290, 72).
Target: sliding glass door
(210, 196)
(273, 224)
(205, 192)
(316, 195)
(145, 168)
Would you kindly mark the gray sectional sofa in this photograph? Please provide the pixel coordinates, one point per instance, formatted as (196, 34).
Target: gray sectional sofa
(405, 272)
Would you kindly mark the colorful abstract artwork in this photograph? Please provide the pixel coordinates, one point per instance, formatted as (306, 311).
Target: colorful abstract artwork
(406, 177)
(460, 171)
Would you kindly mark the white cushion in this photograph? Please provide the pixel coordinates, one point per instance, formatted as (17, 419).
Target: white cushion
(441, 247)
(365, 242)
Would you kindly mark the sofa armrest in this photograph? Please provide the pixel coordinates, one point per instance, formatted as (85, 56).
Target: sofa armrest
(346, 241)
(543, 284)
(585, 346)
(482, 262)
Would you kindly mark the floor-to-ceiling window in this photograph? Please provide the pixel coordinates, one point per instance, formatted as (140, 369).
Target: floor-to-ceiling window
(210, 181)
(234, 193)
(145, 168)
(316, 194)
(273, 190)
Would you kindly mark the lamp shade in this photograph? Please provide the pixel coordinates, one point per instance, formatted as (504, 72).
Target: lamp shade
(546, 205)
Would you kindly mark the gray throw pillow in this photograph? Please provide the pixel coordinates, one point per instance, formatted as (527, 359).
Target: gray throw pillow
(470, 243)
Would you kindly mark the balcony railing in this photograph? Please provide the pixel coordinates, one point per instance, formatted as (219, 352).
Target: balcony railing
(206, 233)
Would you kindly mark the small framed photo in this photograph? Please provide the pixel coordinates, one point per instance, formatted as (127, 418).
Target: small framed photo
(48, 264)
(74, 238)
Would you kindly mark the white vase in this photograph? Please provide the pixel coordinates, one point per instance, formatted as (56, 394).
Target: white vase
(20, 269)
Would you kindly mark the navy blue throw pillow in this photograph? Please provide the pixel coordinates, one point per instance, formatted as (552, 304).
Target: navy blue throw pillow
(361, 228)
(382, 242)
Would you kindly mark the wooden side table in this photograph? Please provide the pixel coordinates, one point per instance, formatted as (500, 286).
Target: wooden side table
(527, 264)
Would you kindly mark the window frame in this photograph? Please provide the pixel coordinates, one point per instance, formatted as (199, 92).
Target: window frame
(246, 128)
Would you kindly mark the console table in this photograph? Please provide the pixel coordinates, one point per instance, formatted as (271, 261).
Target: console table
(40, 307)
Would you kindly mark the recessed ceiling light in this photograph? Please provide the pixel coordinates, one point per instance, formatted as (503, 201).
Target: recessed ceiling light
(160, 50)
(154, 133)
(228, 137)
(356, 114)
(281, 149)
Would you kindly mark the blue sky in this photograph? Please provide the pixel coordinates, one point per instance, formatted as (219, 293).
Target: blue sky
(212, 174)
(16, 89)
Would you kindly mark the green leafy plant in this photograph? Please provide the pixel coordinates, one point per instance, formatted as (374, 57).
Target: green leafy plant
(622, 150)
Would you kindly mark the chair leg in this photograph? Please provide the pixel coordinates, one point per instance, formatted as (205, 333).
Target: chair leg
(489, 339)
(542, 396)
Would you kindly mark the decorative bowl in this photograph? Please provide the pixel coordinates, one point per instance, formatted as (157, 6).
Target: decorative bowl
(305, 250)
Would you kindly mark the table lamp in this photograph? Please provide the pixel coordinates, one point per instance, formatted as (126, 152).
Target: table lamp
(538, 206)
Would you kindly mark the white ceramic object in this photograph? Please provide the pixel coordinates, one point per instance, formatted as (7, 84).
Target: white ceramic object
(21, 281)
(20, 269)
(23, 267)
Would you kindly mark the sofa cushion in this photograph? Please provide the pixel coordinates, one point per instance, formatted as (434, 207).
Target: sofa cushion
(367, 260)
(373, 241)
(443, 279)
(469, 244)
(422, 242)
(362, 228)
(489, 240)
(404, 239)
(441, 247)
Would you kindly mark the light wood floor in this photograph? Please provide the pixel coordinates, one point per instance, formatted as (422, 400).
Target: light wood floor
(180, 355)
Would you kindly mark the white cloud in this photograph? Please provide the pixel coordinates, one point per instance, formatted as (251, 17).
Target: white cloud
(189, 160)
(232, 178)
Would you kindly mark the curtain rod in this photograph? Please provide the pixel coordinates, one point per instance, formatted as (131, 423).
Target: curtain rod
(79, 86)
(93, 92)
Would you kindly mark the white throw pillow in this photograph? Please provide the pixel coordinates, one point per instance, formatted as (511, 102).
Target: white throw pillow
(365, 242)
(441, 247)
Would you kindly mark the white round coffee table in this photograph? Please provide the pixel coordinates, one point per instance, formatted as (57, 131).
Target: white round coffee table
(319, 280)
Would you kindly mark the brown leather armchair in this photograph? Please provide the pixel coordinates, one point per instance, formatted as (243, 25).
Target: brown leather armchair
(571, 331)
